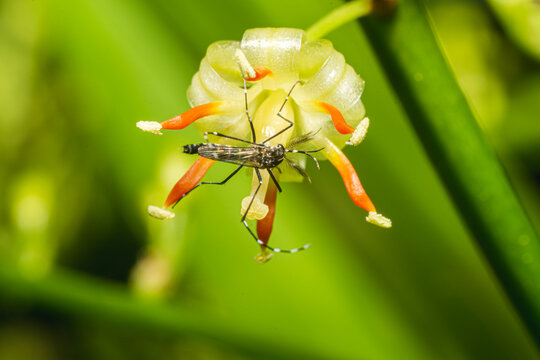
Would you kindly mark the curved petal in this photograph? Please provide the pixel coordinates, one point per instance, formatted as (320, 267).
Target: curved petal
(221, 58)
(274, 48)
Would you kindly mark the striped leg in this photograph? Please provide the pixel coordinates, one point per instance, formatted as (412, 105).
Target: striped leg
(253, 197)
(283, 117)
(253, 137)
(206, 133)
(209, 183)
(274, 179)
(260, 242)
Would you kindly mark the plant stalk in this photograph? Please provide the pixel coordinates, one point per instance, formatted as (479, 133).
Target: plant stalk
(466, 163)
(339, 16)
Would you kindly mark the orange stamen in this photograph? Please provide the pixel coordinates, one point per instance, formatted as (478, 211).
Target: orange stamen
(339, 122)
(264, 226)
(261, 72)
(349, 176)
(191, 178)
(195, 113)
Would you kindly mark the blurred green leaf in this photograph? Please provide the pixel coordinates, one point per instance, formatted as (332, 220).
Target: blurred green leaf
(521, 19)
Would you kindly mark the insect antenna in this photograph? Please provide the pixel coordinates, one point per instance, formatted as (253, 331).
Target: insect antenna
(307, 152)
(302, 139)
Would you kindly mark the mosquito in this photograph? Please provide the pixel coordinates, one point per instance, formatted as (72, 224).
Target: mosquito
(258, 156)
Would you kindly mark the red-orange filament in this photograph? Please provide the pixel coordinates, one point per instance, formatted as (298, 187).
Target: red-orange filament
(195, 113)
(339, 122)
(350, 178)
(260, 73)
(264, 226)
(191, 178)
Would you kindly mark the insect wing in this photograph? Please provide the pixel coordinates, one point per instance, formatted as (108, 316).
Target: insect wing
(247, 156)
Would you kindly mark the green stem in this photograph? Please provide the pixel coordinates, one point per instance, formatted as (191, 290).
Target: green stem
(103, 301)
(465, 161)
(339, 16)
(521, 19)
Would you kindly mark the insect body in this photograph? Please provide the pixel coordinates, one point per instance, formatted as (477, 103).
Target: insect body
(255, 155)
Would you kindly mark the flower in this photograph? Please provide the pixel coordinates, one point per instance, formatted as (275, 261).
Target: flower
(326, 104)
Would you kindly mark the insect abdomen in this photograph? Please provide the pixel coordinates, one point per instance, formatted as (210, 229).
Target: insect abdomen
(192, 149)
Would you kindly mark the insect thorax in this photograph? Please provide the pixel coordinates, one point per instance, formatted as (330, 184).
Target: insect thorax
(272, 156)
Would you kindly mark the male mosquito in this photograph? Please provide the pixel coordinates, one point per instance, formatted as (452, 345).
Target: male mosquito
(258, 156)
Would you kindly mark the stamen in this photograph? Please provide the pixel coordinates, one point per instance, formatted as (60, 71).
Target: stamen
(359, 133)
(160, 213)
(337, 118)
(190, 179)
(197, 112)
(379, 220)
(257, 211)
(349, 176)
(248, 72)
(264, 226)
(260, 73)
(150, 126)
(263, 256)
(245, 67)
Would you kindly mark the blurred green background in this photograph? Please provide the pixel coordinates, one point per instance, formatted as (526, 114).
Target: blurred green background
(76, 176)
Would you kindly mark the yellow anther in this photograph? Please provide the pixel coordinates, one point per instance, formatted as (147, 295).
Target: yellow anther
(245, 67)
(150, 126)
(263, 257)
(257, 211)
(379, 220)
(160, 213)
(359, 133)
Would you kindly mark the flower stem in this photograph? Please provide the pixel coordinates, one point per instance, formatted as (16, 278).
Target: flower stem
(338, 17)
(464, 159)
